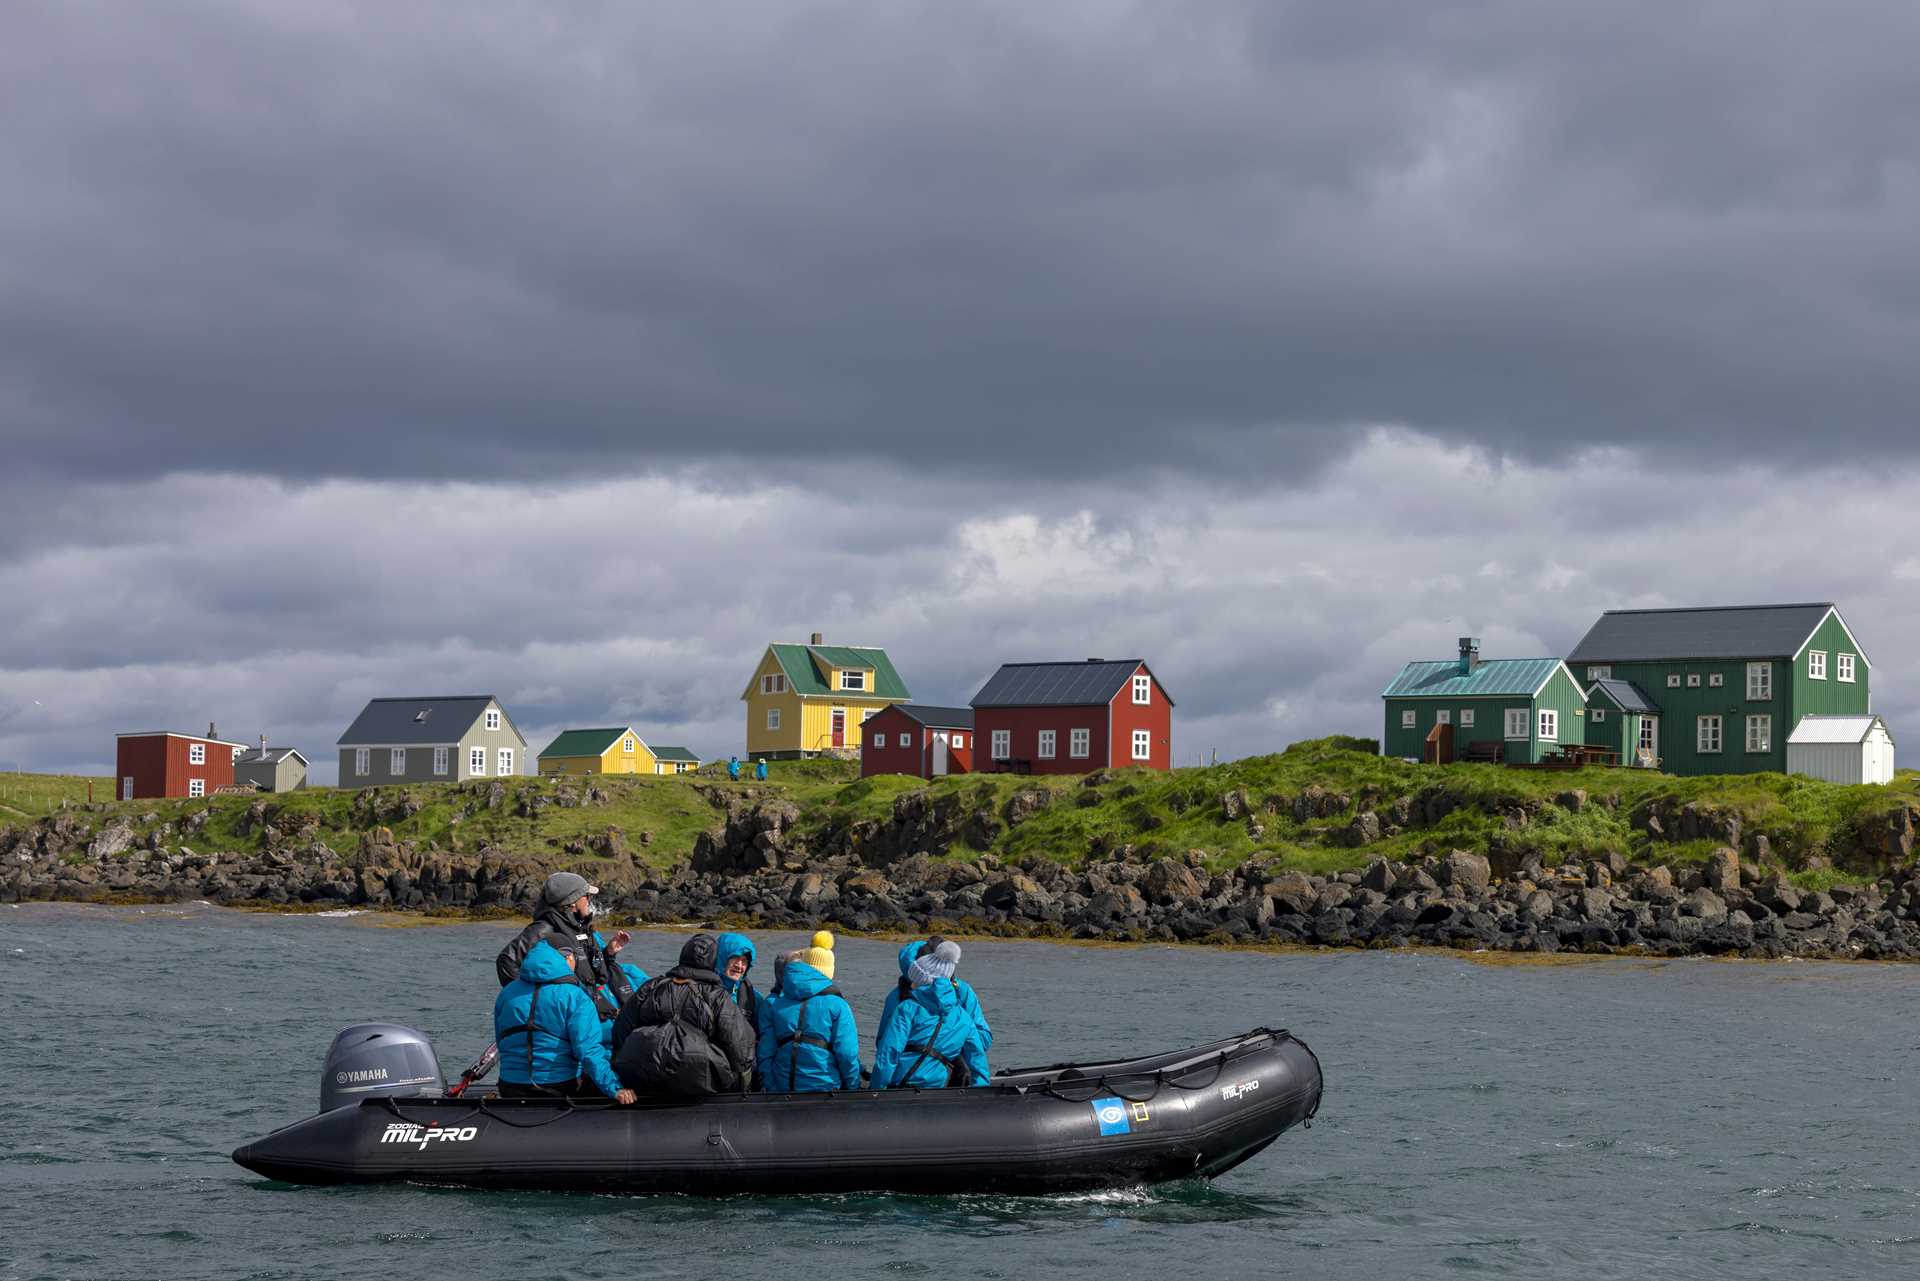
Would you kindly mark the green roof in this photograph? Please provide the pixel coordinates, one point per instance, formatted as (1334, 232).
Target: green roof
(797, 662)
(674, 754)
(583, 742)
(1493, 678)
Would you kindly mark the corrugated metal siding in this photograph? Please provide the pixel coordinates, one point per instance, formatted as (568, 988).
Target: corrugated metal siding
(1494, 678)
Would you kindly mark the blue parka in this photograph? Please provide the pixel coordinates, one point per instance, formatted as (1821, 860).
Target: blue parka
(807, 1004)
(968, 1001)
(932, 1005)
(565, 1042)
(725, 948)
(635, 976)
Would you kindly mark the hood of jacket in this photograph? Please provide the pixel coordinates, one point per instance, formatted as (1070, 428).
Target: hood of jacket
(544, 964)
(802, 981)
(909, 954)
(725, 948)
(936, 997)
(697, 952)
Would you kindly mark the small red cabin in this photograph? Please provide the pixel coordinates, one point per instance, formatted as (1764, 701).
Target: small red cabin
(1074, 718)
(912, 738)
(158, 763)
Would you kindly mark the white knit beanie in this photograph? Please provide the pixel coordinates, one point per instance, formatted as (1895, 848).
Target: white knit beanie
(937, 964)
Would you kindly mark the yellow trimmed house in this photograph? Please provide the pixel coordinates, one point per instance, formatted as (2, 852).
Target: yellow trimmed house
(612, 751)
(811, 700)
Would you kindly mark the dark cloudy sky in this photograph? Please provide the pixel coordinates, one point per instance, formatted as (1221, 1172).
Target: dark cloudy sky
(573, 352)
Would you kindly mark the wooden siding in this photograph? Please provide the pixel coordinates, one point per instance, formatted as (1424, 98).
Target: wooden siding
(806, 724)
(1832, 696)
(615, 760)
(160, 765)
(916, 758)
(1682, 707)
(1561, 694)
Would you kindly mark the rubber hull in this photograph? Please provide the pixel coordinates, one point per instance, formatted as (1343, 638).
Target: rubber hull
(1190, 1114)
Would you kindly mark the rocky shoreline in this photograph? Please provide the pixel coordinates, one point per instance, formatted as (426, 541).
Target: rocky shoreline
(748, 872)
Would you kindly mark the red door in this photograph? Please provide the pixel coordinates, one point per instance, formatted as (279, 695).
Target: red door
(839, 727)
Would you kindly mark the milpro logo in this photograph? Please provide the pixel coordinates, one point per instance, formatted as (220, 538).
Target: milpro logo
(1238, 1090)
(359, 1074)
(405, 1132)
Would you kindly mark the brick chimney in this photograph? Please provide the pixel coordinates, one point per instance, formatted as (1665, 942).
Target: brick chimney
(817, 639)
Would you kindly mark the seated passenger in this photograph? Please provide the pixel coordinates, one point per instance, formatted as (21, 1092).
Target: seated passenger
(930, 1041)
(564, 919)
(681, 1034)
(733, 957)
(635, 977)
(968, 1000)
(549, 1033)
(808, 1040)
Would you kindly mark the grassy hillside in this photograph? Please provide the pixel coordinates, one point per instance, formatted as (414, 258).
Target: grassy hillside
(28, 796)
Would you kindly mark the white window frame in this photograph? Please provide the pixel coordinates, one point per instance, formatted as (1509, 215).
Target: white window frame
(1600, 673)
(1048, 740)
(1759, 682)
(477, 761)
(1549, 725)
(773, 683)
(1716, 679)
(1409, 719)
(126, 788)
(1519, 726)
(1647, 724)
(238, 752)
(493, 718)
(1003, 744)
(1693, 680)
(1079, 744)
(1709, 735)
(505, 762)
(1759, 732)
(1673, 680)
(959, 740)
(362, 761)
(1816, 664)
(196, 753)
(1844, 671)
(868, 713)
(1599, 715)
(1143, 745)
(906, 740)
(440, 760)
(196, 787)
(1142, 690)
(396, 761)
(1443, 716)
(626, 745)
(1466, 718)
(773, 718)
(854, 680)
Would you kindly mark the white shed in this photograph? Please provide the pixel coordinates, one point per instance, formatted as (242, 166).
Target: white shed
(1841, 749)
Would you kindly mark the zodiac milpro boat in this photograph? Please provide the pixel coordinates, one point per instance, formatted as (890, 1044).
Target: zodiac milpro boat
(1192, 1113)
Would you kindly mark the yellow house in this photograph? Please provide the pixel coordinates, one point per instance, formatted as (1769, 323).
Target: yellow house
(811, 700)
(608, 751)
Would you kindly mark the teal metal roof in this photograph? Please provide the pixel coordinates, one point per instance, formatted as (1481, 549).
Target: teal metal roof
(804, 677)
(1493, 678)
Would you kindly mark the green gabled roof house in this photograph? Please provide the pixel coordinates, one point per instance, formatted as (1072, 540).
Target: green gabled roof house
(1516, 710)
(806, 700)
(1721, 688)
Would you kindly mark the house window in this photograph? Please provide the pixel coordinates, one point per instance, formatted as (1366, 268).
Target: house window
(1601, 673)
(853, 680)
(1142, 745)
(1693, 680)
(1760, 733)
(237, 751)
(1080, 743)
(420, 717)
(1845, 665)
(1466, 718)
(776, 683)
(1599, 715)
(959, 740)
(1517, 722)
(361, 763)
(906, 740)
(1673, 681)
(1716, 680)
(440, 760)
(868, 714)
(196, 787)
(1549, 724)
(1407, 718)
(1143, 689)
(1646, 734)
(1759, 681)
(773, 718)
(1816, 664)
(1706, 736)
(477, 762)
(196, 753)
(1443, 717)
(626, 745)
(396, 760)
(1047, 739)
(1002, 744)
(493, 718)
(506, 761)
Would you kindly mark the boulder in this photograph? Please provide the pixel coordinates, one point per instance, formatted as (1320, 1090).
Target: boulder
(1465, 873)
(1292, 892)
(1705, 904)
(1027, 802)
(114, 838)
(1379, 876)
(1168, 881)
(1723, 868)
(1234, 805)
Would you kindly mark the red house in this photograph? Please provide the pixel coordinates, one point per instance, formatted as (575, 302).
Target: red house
(1073, 718)
(912, 738)
(158, 763)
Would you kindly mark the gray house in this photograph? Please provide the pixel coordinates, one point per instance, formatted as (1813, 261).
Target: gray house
(431, 740)
(271, 769)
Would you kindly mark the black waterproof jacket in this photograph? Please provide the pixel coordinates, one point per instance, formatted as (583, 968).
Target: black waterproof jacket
(681, 1034)
(593, 969)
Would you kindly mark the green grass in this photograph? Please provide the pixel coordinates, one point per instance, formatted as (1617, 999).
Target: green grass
(30, 796)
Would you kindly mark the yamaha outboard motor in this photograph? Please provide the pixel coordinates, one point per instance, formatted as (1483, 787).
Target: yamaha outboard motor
(379, 1060)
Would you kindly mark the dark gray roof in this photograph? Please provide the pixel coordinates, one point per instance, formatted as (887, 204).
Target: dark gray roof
(272, 756)
(1727, 631)
(393, 720)
(1627, 696)
(1091, 683)
(938, 717)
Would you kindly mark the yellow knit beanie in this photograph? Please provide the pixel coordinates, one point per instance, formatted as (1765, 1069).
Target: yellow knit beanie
(820, 955)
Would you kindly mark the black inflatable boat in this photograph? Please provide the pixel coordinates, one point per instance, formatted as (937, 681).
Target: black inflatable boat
(1193, 1113)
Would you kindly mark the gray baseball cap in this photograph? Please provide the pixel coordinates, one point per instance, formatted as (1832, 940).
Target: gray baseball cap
(565, 887)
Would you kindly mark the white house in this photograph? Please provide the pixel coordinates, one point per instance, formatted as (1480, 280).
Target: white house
(1841, 749)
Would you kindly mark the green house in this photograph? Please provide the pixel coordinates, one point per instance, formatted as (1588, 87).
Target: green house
(1728, 684)
(1622, 719)
(1517, 710)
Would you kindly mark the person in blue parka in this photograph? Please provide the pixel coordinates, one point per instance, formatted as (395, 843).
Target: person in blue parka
(635, 977)
(969, 1001)
(930, 1041)
(549, 1033)
(808, 1039)
(733, 956)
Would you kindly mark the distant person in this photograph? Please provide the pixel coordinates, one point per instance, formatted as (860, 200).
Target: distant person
(733, 768)
(808, 1039)
(733, 956)
(760, 769)
(681, 1034)
(969, 1000)
(564, 918)
(930, 1041)
(549, 1033)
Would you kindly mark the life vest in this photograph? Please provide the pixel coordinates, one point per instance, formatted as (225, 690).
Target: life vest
(804, 1037)
(957, 1074)
(529, 1027)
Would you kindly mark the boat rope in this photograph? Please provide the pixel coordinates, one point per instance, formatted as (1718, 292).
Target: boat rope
(1104, 1084)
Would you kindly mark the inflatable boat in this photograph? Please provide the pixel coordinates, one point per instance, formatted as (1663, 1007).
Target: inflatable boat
(1193, 1113)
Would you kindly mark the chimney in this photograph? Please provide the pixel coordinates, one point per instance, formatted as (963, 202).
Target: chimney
(1469, 653)
(817, 638)
(211, 732)
(1096, 660)
(263, 745)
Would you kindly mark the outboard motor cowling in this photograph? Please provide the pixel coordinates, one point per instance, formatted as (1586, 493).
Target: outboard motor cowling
(379, 1060)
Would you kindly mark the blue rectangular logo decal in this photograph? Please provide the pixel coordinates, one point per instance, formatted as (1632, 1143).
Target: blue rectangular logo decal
(1112, 1116)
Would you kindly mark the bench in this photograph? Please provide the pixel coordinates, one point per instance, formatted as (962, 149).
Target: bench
(1482, 752)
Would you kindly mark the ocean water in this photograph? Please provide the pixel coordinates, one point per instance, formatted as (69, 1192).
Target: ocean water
(1604, 1118)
